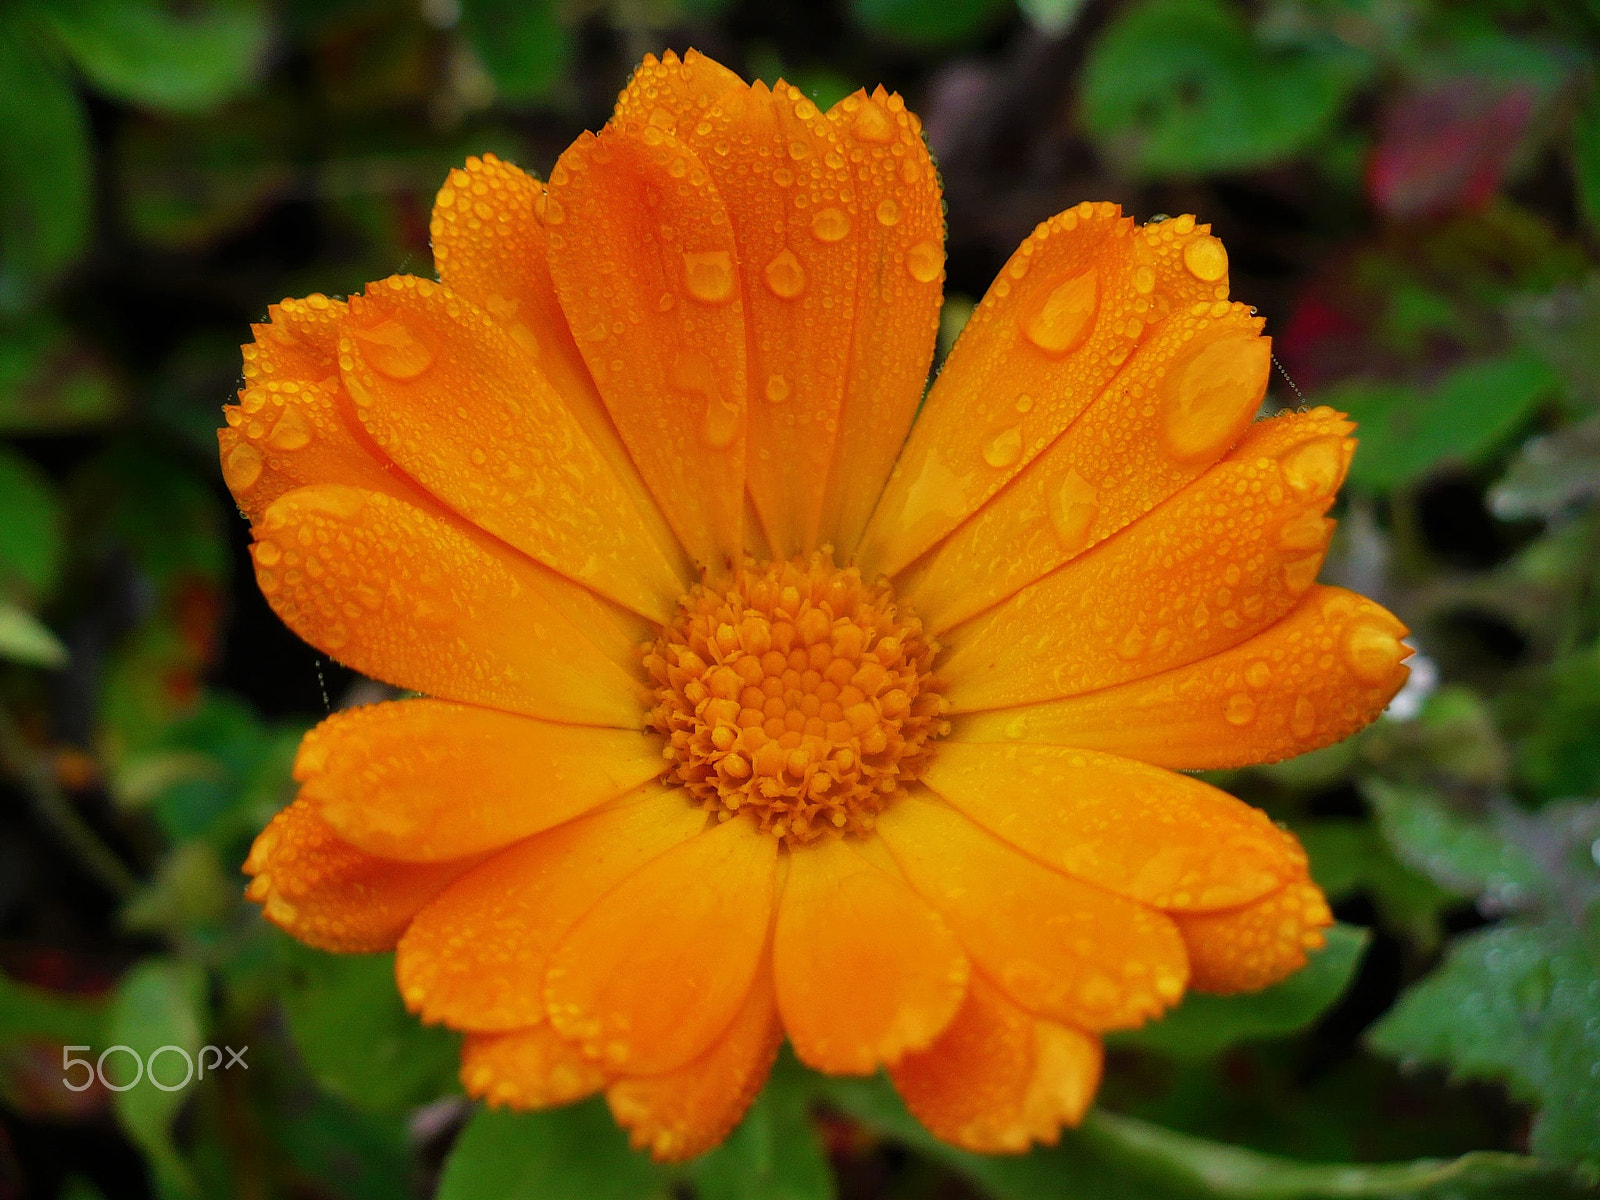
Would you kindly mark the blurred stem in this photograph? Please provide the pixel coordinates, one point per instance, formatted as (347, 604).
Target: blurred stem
(33, 771)
(1241, 1174)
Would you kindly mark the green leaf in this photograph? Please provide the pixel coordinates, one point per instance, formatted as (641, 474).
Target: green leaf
(1205, 1025)
(575, 1153)
(1515, 1002)
(29, 1014)
(26, 639)
(45, 201)
(1466, 857)
(924, 23)
(1114, 1157)
(1182, 87)
(49, 380)
(1586, 157)
(359, 1042)
(1349, 857)
(521, 42)
(355, 1155)
(158, 1003)
(1558, 753)
(1474, 410)
(31, 527)
(775, 1153)
(182, 57)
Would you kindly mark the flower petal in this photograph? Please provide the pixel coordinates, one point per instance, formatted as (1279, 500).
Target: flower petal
(865, 970)
(527, 1068)
(655, 971)
(643, 259)
(404, 596)
(1217, 563)
(1000, 1079)
(517, 906)
(490, 247)
(1151, 835)
(672, 93)
(898, 295)
(687, 1111)
(1186, 395)
(780, 168)
(331, 895)
(294, 423)
(469, 413)
(1060, 320)
(1325, 670)
(426, 780)
(1058, 946)
(1249, 948)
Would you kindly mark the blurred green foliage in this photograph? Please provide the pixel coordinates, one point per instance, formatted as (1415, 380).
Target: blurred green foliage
(1409, 189)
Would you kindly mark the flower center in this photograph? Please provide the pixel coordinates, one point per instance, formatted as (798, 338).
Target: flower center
(797, 693)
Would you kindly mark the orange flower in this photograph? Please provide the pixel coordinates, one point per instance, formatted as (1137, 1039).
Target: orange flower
(754, 710)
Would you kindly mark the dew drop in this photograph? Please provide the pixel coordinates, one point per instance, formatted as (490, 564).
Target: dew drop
(830, 224)
(1306, 530)
(1024, 403)
(785, 276)
(777, 390)
(1302, 573)
(268, 554)
(1304, 718)
(1258, 674)
(720, 424)
(924, 261)
(241, 469)
(873, 124)
(708, 275)
(1372, 652)
(888, 211)
(1240, 709)
(1144, 280)
(1210, 400)
(392, 348)
(1004, 448)
(1132, 644)
(1313, 469)
(1206, 259)
(1073, 504)
(292, 432)
(1061, 323)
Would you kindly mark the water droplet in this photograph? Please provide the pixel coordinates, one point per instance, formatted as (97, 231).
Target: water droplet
(1212, 397)
(1372, 652)
(1024, 403)
(394, 349)
(925, 260)
(1313, 468)
(1302, 573)
(1206, 259)
(241, 468)
(1132, 644)
(1240, 710)
(1058, 325)
(1306, 530)
(1258, 674)
(1304, 719)
(777, 390)
(1017, 727)
(292, 432)
(830, 224)
(268, 554)
(873, 124)
(1144, 280)
(888, 211)
(1004, 448)
(708, 275)
(1073, 504)
(785, 276)
(721, 423)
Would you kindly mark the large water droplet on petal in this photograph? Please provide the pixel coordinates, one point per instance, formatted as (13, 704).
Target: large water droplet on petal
(241, 467)
(830, 224)
(888, 211)
(1372, 652)
(1004, 448)
(1304, 719)
(924, 261)
(292, 432)
(872, 123)
(1212, 397)
(1206, 259)
(721, 423)
(1240, 709)
(394, 349)
(708, 275)
(777, 389)
(1062, 321)
(785, 276)
(1313, 469)
(1302, 573)
(1073, 504)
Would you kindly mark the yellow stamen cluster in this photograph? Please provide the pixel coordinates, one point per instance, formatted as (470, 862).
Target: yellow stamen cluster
(798, 693)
